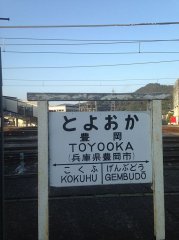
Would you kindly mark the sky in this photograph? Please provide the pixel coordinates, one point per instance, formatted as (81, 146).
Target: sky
(105, 59)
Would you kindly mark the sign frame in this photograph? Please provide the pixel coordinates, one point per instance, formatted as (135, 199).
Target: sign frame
(99, 148)
(154, 105)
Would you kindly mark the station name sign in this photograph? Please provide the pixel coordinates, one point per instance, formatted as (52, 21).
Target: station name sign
(99, 148)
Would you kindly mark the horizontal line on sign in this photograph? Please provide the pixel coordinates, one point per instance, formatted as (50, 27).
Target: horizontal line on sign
(72, 164)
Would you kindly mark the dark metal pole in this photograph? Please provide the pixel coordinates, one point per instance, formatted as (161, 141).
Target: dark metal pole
(2, 235)
(1, 156)
(5, 19)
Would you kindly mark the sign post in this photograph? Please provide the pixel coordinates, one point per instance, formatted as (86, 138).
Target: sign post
(158, 182)
(43, 210)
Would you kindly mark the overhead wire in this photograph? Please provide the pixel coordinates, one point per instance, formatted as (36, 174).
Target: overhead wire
(92, 40)
(84, 43)
(75, 85)
(89, 42)
(91, 25)
(92, 80)
(62, 44)
(72, 53)
(61, 82)
(92, 66)
(90, 53)
(104, 42)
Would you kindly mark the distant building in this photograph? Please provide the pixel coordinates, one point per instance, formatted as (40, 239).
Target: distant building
(64, 108)
(176, 101)
(19, 113)
(88, 106)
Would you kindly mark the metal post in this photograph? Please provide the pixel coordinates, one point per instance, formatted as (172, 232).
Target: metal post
(96, 106)
(1, 156)
(158, 183)
(43, 209)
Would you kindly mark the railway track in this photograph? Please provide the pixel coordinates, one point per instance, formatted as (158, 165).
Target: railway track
(171, 149)
(20, 150)
(126, 205)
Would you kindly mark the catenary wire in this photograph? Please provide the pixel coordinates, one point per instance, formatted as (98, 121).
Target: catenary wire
(92, 40)
(101, 40)
(91, 53)
(92, 66)
(62, 44)
(93, 80)
(75, 85)
(92, 25)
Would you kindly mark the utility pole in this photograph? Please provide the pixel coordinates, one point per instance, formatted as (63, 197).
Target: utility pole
(2, 235)
(1, 157)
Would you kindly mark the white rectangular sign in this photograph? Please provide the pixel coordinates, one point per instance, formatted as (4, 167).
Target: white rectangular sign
(96, 148)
